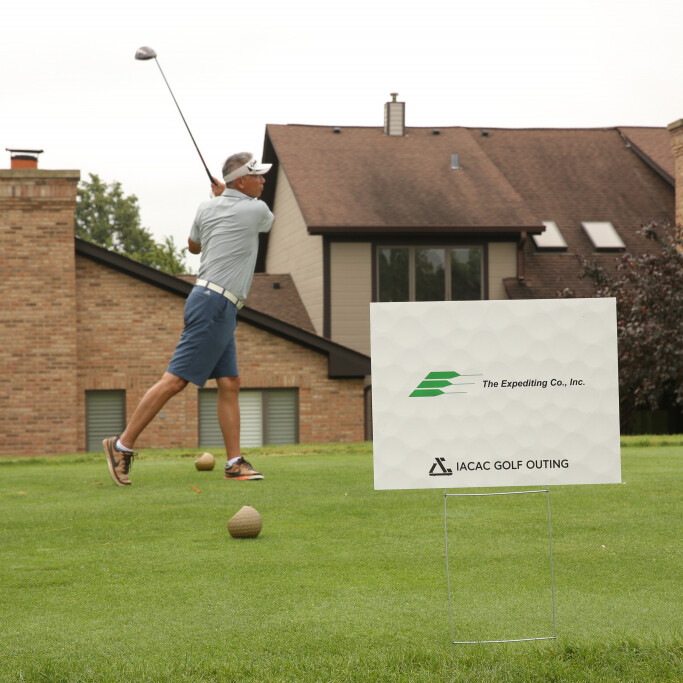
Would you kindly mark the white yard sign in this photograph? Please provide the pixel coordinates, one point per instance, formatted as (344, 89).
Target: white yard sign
(495, 393)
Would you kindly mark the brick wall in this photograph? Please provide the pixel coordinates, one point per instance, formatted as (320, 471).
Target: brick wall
(69, 325)
(329, 410)
(127, 330)
(37, 303)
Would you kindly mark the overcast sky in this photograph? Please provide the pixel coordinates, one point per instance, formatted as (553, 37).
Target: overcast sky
(72, 87)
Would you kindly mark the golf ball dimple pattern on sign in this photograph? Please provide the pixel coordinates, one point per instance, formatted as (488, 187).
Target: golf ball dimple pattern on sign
(537, 383)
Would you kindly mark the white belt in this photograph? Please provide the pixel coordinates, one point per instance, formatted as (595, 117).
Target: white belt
(221, 290)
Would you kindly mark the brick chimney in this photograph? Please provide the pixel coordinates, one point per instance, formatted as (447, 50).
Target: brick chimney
(38, 351)
(23, 158)
(394, 116)
(676, 130)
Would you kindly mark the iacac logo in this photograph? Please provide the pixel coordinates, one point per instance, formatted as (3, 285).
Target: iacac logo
(443, 471)
(435, 382)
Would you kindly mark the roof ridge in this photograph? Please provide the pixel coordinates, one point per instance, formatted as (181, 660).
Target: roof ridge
(466, 127)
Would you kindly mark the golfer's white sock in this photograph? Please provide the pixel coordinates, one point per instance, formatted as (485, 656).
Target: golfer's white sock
(233, 461)
(121, 448)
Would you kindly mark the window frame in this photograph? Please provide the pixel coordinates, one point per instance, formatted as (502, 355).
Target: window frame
(265, 393)
(412, 246)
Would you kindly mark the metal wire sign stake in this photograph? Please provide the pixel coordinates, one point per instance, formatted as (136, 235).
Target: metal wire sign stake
(448, 577)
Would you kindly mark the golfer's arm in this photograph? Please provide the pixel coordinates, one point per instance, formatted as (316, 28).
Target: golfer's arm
(193, 247)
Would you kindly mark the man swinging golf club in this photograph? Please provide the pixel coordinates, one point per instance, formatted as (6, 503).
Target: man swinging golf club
(225, 232)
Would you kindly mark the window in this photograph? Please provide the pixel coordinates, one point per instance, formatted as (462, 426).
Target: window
(466, 268)
(394, 274)
(251, 419)
(551, 239)
(429, 273)
(105, 415)
(603, 235)
(267, 416)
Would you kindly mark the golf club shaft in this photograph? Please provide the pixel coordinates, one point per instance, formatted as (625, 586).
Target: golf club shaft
(206, 168)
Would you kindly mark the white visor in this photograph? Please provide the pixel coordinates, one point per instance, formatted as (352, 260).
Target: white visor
(253, 167)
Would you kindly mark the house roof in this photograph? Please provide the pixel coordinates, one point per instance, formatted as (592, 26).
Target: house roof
(277, 296)
(361, 179)
(509, 181)
(277, 311)
(576, 176)
(653, 145)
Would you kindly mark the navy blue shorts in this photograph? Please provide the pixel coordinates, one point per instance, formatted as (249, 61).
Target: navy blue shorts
(206, 348)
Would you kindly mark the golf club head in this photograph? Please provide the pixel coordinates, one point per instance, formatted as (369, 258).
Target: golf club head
(145, 53)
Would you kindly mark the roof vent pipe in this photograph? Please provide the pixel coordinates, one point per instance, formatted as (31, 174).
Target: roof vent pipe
(394, 116)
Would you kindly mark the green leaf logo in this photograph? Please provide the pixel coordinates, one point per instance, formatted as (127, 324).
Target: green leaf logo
(435, 383)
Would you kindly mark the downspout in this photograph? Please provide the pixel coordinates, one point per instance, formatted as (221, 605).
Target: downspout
(520, 256)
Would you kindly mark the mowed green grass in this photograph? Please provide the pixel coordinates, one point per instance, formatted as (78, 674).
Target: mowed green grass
(144, 583)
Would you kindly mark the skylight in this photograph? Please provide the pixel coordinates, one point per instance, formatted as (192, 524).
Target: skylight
(551, 239)
(603, 235)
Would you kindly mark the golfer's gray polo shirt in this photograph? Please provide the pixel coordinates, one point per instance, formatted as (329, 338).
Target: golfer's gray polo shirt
(227, 228)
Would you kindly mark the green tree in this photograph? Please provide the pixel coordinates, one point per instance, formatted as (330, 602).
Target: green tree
(107, 217)
(649, 291)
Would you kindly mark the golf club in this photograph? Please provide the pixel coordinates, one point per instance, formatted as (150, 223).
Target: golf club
(146, 53)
